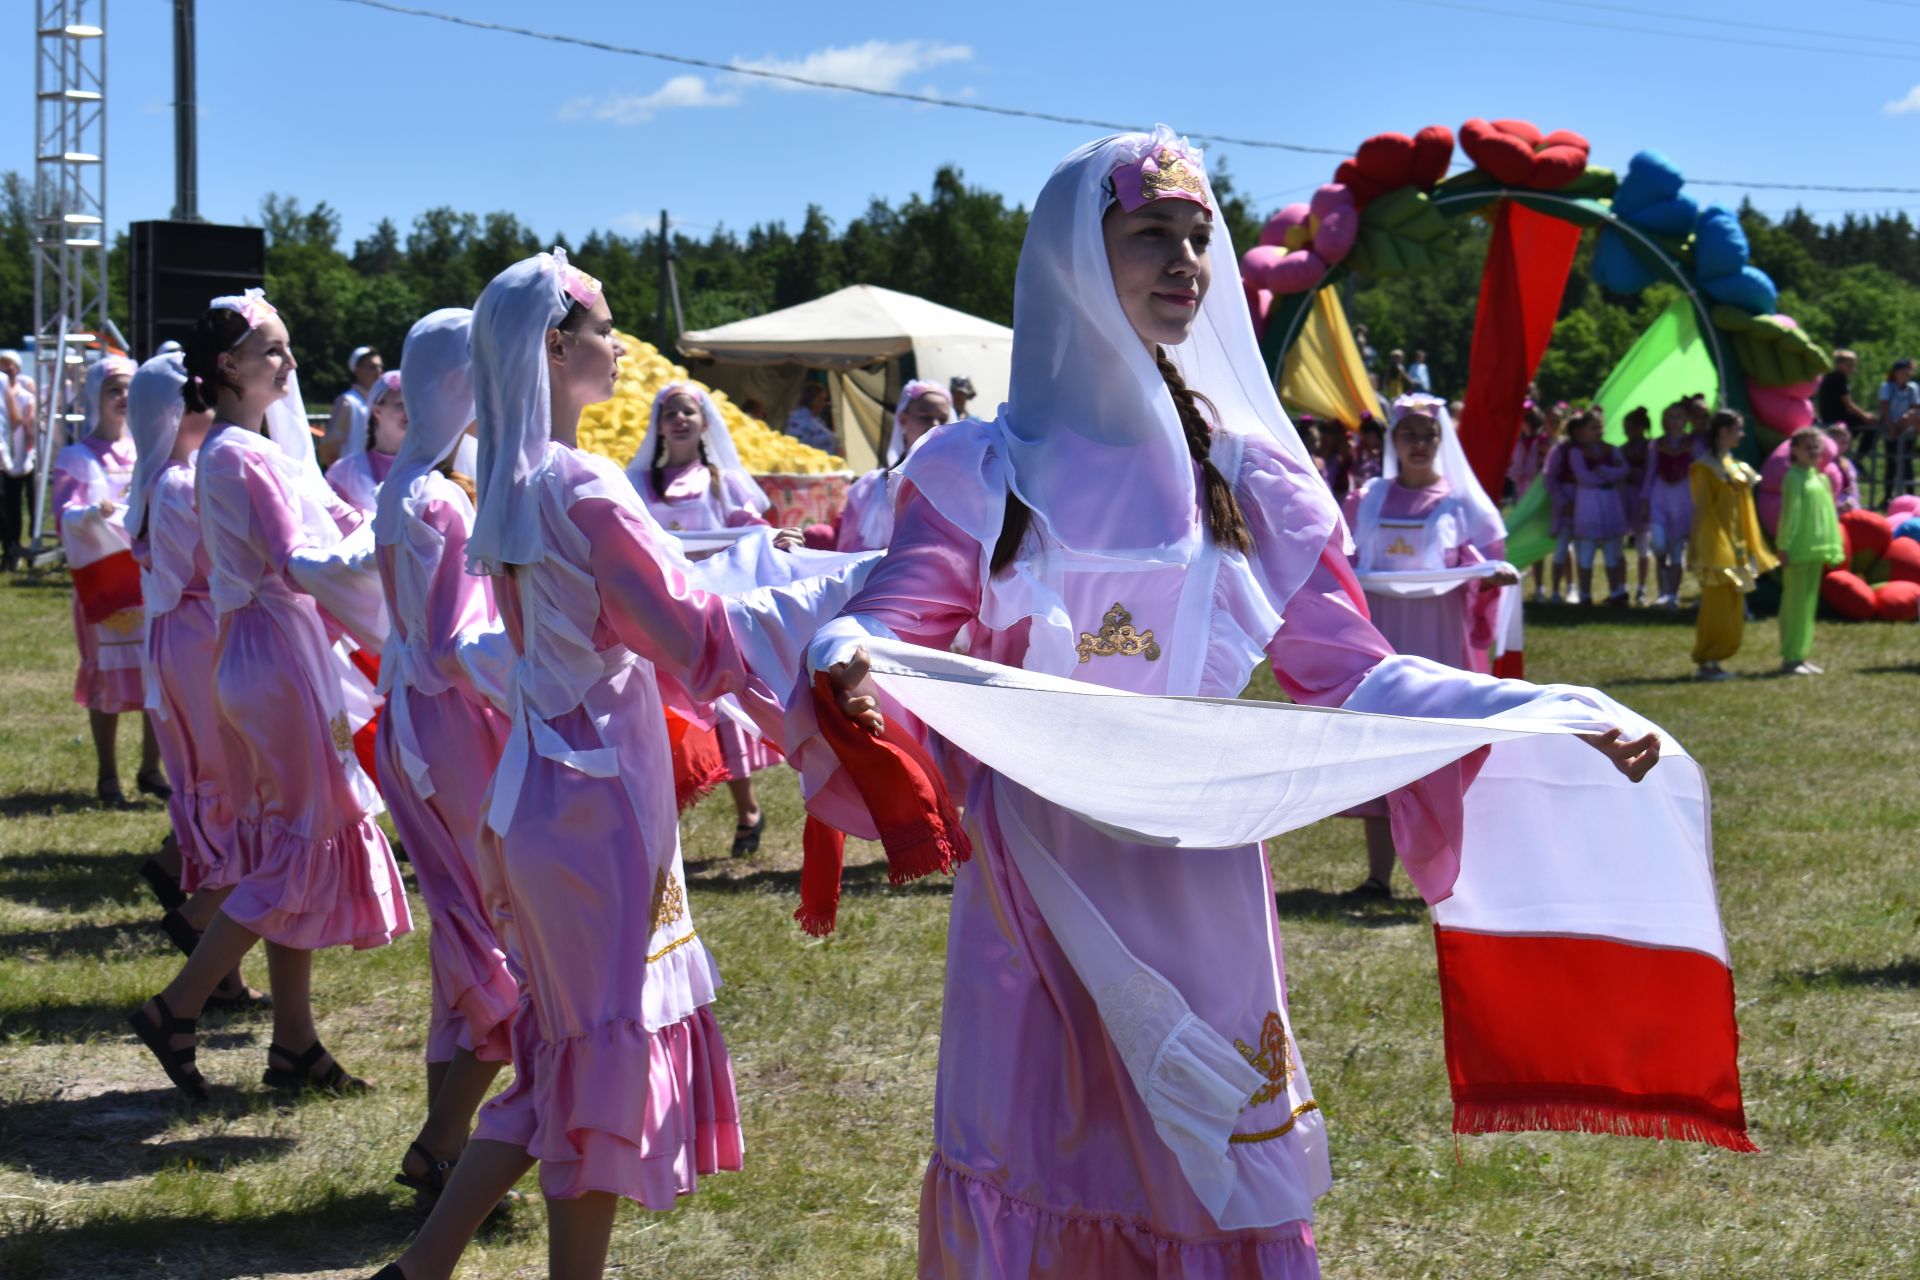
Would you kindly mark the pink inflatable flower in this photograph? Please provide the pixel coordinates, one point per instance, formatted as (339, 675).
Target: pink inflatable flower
(1303, 241)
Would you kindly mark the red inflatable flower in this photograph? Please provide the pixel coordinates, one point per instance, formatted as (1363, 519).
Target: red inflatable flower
(1881, 580)
(1516, 153)
(1389, 161)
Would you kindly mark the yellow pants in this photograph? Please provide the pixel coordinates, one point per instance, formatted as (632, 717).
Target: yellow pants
(1721, 624)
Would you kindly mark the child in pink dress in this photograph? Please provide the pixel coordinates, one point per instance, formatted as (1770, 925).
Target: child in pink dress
(360, 472)
(1599, 524)
(622, 1085)
(866, 522)
(181, 654)
(315, 870)
(1638, 455)
(89, 497)
(1668, 499)
(1120, 1093)
(439, 739)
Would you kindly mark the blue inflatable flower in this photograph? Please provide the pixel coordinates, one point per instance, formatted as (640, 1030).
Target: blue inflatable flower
(1647, 199)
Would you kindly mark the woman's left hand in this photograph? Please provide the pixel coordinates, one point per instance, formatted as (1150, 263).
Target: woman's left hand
(789, 538)
(1635, 757)
(1504, 577)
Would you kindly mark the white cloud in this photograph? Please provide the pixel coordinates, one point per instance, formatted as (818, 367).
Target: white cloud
(635, 222)
(877, 64)
(1901, 106)
(638, 108)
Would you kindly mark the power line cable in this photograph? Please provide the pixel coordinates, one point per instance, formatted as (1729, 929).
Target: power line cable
(1721, 22)
(1053, 118)
(1720, 38)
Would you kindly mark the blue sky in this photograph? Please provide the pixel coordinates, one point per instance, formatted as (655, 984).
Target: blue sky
(380, 114)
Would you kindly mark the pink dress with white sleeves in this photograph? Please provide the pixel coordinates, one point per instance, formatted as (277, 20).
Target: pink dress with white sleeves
(694, 502)
(182, 652)
(1599, 509)
(622, 1081)
(1427, 529)
(85, 474)
(438, 744)
(1047, 1155)
(358, 476)
(317, 871)
(866, 522)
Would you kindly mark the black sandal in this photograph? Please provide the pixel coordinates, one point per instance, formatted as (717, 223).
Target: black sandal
(746, 839)
(183, 935)
(299, 1077)
(107, 791)
(430, 1184)
(245, 1000)
(165, 886)
(391, 1271)
(1370, 890)
(153, 783)
(158, 1037)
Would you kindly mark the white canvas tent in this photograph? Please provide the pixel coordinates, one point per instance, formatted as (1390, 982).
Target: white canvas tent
(859, 337)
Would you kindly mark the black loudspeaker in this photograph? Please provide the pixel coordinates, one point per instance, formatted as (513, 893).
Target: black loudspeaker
(176, 268)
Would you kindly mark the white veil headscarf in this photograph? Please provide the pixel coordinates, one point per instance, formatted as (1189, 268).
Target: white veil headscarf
(512, 401)
(154, 410)
(719, 441)
(1484, 525)
(287, 416)
(97, 376)
(1096, 447)
(438, 390)
(896, 440)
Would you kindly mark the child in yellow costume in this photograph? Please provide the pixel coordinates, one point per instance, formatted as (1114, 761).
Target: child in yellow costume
(1809, 541)
(1727, 551)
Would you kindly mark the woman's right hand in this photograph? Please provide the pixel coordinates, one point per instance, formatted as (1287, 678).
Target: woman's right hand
(853, 692)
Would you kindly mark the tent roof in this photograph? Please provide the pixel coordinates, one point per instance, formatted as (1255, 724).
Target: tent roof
(856, 325)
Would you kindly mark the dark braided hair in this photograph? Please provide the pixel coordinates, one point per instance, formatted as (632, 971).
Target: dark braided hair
(1226, 523)
(213, 336)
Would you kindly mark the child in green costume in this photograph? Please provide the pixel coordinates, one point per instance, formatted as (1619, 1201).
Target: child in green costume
(1809, 542)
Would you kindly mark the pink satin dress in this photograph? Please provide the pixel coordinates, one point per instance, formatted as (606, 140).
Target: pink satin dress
(316, 869)
(1422, 529)
(182, 653)
(622, 1081)
(108, 679)
(357, 478)
(438, 743)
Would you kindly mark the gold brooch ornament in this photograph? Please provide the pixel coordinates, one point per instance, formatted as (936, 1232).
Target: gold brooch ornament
(669, 900)
(1117, 639)
(342, 733)
(124, 622)
(1273, 1059)
(1171, 175)
(1400, 547)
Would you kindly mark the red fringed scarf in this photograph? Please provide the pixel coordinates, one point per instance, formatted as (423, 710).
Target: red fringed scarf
(698, 766)
(907, 798)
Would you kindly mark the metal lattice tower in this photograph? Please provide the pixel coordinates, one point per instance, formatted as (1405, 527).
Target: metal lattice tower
(69, 208)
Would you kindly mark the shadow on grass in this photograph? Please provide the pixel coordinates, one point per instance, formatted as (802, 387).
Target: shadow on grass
(1904, 669)
(1336, 908)
(1617, 615)
(862, 879)
(342, 1232)
(77, 1023)
(63, 879)
(79, 940)
(1899, 974)
(41, 804)
(103, 1137)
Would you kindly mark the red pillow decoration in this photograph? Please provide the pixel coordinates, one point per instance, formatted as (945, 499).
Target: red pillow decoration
(1389, 161)
(1516, 153)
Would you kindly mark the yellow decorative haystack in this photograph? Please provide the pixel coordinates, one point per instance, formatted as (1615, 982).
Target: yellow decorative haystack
(614, 428)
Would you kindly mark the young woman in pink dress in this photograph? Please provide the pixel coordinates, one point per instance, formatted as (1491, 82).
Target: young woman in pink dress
(689, 474)
(622, 1085)
(866, 522)
(315, 870)
(180, 656)
(358, 475)
(89, 497)
(440, 739)
(1119, 527)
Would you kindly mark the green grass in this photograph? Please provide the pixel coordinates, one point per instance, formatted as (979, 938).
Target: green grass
(104, 1174)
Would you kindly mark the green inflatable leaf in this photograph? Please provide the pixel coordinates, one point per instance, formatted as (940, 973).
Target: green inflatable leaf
(1596, 183)
(1401, 234)
(1770, 351)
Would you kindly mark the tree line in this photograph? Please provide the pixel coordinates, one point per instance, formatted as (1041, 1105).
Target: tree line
(1850, 283)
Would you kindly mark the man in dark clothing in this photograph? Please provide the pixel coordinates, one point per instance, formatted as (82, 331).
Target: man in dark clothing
(1833, 400)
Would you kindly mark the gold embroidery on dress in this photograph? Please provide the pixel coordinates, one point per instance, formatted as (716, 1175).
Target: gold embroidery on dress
(1273, 1059)
(124, 622)
(1279, 1131)
(669, 900)
(1117, 639)
(1400, 547)
(342, 733)
(671, 947)
(1173, 175)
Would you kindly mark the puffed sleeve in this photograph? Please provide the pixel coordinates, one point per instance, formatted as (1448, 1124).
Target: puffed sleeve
(458, 603)
(924, 590)
(273, 518)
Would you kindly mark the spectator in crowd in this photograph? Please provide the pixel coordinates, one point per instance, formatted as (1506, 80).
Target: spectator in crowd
(1367, 353)
(1833, 399)
(18, 438)
(754, 407)
(1369, 452)
(808, 423)
(1393, 380)
(1333, 455)
(1847, 497)
(1420, 379)
(1899, 416)
(349, 421)
(959, 392)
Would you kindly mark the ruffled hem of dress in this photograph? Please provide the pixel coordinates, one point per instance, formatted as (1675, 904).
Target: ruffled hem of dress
(339, 890)
(640, 1114)
(970, 1227)
(111, 693)
(203, 824)
(470, 973)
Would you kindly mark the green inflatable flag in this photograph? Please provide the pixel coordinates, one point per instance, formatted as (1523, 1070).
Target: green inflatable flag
(1670, 360)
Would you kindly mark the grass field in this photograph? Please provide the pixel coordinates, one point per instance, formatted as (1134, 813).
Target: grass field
(104, 1174)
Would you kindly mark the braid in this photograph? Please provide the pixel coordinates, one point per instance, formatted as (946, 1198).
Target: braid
(712, 469)
(1226, 523)
(657, 469)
